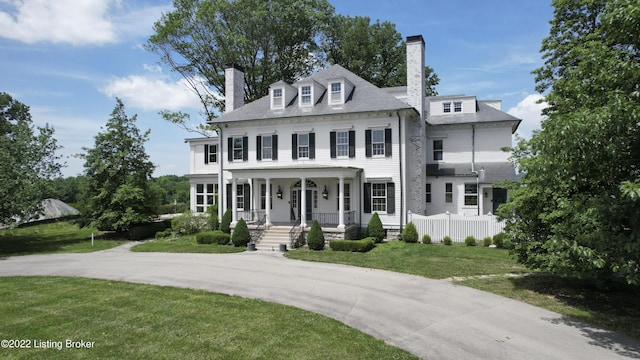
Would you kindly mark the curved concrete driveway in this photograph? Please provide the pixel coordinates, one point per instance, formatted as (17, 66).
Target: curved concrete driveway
(433, 319)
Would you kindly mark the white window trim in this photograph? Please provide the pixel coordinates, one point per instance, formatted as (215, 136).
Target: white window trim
(301, 103)
(346, 155)
(471, 195)
(383, 197)
(340, 93)
(264, 147)
(373, 154)
(234, 148)
(273, 98)
(301, 146)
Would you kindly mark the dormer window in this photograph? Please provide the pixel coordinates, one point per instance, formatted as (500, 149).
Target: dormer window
(457, 106)
(277, 100)
(336, 93)
(305, 95)
(446, 107)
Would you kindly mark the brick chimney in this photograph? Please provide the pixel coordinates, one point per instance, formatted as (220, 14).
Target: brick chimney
(415, 73)
(233, 87)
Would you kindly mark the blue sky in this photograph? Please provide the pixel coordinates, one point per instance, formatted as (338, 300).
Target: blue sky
(69, 59)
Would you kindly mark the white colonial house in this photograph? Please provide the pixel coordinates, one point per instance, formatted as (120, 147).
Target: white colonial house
(335, 148)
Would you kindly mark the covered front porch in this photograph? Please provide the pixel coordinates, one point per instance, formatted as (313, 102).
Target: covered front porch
(295, 195)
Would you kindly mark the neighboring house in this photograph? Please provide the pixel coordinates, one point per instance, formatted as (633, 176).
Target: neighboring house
(335, 148)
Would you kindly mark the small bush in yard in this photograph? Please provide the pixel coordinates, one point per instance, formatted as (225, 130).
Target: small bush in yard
(487, 241)
(363, 245)
(225, 224)
(212, 237)
(213, 222)
(315, 237)
(164, 234)
(447, 240)
(409, 233)
(241, 235)
(498, 240)
(426, 239)
(470, 241)
(375, 229)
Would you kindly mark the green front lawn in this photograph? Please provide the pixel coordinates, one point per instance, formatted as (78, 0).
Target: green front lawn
(432, 261)
(185, 244)
(131, 321)
(57, 237)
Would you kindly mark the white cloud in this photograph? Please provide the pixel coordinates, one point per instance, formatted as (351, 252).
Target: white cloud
(529, 110)
(85, 22)
(153, 93)
(60, 21)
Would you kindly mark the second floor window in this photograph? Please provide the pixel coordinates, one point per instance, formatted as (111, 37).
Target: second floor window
(266, 147)
(457, 106)
(438, 150)
(342, 143)
(446, 107)
(210, 153)
(303, 146)
(237, 149)
(377, 142)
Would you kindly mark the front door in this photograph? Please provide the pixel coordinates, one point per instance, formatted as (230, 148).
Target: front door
(499, 197)
(309, 204)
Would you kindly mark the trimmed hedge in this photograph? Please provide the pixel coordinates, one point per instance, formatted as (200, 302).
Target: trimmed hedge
(146, 231)
(213, 237)
(375, 229)
(426, 239)
(315, 237)
(363, 245)
(409, 233)
(225, 224)
(470, 241)
(241, 235)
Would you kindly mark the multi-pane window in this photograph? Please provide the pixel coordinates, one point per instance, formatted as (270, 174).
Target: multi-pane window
(379, 197)
(266, 146)
(342, 143)
(205, 196)
(377, 142)
(446, 107)
(305, 95)
(448, 192)
(210, 153)
(237, 148)
(336, 92)
(277, 98)
(347, 197)
(428, 192)
(438, 150)
(303, 146)
(457, 106)
(471, 194)
(240, 196)
(263, 196)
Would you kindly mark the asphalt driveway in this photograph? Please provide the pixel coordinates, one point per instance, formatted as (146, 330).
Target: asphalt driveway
(433, 319)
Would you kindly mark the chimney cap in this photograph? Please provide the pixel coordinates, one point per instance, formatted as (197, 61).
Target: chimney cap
(234, 66)
(415, 38)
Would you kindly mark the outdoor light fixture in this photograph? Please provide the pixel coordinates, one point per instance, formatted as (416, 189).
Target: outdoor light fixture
(325, 193)
(279, 192)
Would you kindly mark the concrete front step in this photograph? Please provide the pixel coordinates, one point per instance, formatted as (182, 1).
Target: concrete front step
(273, 237)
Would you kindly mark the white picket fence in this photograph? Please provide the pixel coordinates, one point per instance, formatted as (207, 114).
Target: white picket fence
(458, 227)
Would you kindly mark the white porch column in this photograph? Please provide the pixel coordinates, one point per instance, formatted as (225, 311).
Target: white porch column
(267, 203)
(303, 202)
(341, 204)
(234, 200)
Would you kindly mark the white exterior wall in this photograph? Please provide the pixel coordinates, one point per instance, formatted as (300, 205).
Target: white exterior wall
(458, 144)
(468, 105)
(439, 206)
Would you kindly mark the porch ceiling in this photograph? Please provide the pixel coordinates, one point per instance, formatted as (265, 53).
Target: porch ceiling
(282, 172)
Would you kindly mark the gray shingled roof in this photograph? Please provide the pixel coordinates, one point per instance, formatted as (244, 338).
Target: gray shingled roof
(484, 114)
(493, 171)
(365, 97)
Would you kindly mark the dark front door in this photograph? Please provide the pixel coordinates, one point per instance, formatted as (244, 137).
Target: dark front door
(309, 204)
(499, 197)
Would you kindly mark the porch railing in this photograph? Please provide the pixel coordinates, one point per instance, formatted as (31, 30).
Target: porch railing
(294, 233)
(328, 219)
(252, 216)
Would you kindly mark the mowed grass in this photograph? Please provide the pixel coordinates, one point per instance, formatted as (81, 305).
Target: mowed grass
(57, 237)
(131, 321)
(432, 261)
(185, 244)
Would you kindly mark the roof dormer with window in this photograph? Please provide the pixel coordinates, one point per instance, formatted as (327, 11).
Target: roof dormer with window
(339, 90)
(309, 93)
(280, 95)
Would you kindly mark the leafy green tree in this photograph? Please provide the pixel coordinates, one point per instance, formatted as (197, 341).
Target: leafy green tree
(28, 162)
(575, 211)
(241, 235)
(118, 170)
(375, 229)
(315, 237)
(376, 52)
(69, 189)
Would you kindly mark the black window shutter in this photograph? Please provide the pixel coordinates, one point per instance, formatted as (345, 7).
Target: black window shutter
(367, 198)
(332, 144)
(387, 142)
(312, 145)
(391, 198)
(338, 197)
(230, 149)
(246, 191)
(206, 154)
(229, 193)
(294, 146)
(367, 141)
(274, 147)
(245, 148)
(259, 147)
(352, 143)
